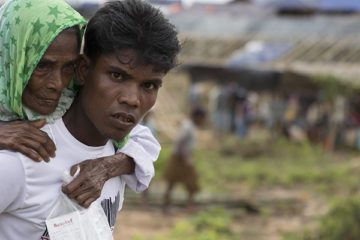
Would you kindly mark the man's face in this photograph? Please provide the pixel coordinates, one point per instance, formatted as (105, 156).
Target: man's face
(118, 93)
(52, 74)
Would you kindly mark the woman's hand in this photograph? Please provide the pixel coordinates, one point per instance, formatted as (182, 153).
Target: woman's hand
(87, 186)
(28, 139)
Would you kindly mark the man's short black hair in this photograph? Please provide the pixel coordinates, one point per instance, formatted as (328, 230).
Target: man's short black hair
(133, 24)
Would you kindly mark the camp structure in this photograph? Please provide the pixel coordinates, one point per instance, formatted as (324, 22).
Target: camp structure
(257, 45)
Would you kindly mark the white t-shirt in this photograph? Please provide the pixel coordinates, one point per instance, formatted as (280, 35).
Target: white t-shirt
(29, 190)
(143, 147)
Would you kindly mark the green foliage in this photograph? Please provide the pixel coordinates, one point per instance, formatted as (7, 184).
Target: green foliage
(211, 224)
(161, 161)
(305, 235)
(217, 219)
(279, 162)
(341, 222)
(260, 163)
(332, 86)
(138, 237)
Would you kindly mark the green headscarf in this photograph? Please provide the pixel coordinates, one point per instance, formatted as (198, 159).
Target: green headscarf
(27, 28)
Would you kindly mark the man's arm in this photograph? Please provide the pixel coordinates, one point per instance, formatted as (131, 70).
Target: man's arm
(144, 150)
(12, 179)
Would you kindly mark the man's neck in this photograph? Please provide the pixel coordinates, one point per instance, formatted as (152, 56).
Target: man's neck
(81, 127)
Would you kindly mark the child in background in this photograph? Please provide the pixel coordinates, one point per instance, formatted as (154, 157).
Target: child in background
(180, 168)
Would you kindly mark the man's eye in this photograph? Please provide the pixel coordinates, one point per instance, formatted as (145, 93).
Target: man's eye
(151, 86)
(116, 75)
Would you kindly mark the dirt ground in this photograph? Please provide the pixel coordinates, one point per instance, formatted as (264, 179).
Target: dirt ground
(280, 210)
(144, 222)
(284, 210)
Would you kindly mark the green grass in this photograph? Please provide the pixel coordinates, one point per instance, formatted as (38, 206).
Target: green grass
(210, 224)
(259, 164)
(341, 222)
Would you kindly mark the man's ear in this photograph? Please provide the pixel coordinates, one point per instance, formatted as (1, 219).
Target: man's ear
(82, 69)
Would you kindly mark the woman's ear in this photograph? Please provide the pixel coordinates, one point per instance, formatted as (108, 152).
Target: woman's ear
(82, 69)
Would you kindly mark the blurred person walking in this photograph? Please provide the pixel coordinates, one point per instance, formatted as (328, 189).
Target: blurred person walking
(225, 106)
(242, 113)
(180, 168)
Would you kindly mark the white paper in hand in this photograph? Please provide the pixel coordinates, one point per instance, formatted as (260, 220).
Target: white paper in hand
(66, 226)
(68, 220)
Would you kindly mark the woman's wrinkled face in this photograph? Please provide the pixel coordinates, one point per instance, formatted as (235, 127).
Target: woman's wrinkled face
(52, 74)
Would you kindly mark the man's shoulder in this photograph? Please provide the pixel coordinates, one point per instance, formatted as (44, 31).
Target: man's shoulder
(7, 154)
(10, 164)
(9, 157)
(12, 178)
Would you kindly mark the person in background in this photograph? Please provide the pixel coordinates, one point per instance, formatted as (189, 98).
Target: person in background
(180, 167)
(242, 113)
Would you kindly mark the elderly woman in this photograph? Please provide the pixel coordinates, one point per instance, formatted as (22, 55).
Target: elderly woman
(29, 30)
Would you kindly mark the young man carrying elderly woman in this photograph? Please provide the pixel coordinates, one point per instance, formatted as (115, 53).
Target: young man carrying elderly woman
(129, 47)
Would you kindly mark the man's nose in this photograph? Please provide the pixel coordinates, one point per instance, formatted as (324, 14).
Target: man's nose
(130, 95)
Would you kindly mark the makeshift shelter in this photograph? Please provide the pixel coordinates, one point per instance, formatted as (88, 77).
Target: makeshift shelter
(320, 43)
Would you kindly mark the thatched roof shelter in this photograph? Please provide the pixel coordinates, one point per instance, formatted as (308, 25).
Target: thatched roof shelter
(325, 44)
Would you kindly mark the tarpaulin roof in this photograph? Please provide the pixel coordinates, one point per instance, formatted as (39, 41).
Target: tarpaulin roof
(319, 5)
(340, 5)
(320, 43)
(257, 52)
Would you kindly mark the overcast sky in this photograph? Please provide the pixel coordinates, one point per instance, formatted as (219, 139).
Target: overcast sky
(185, 2)
(190, 2)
